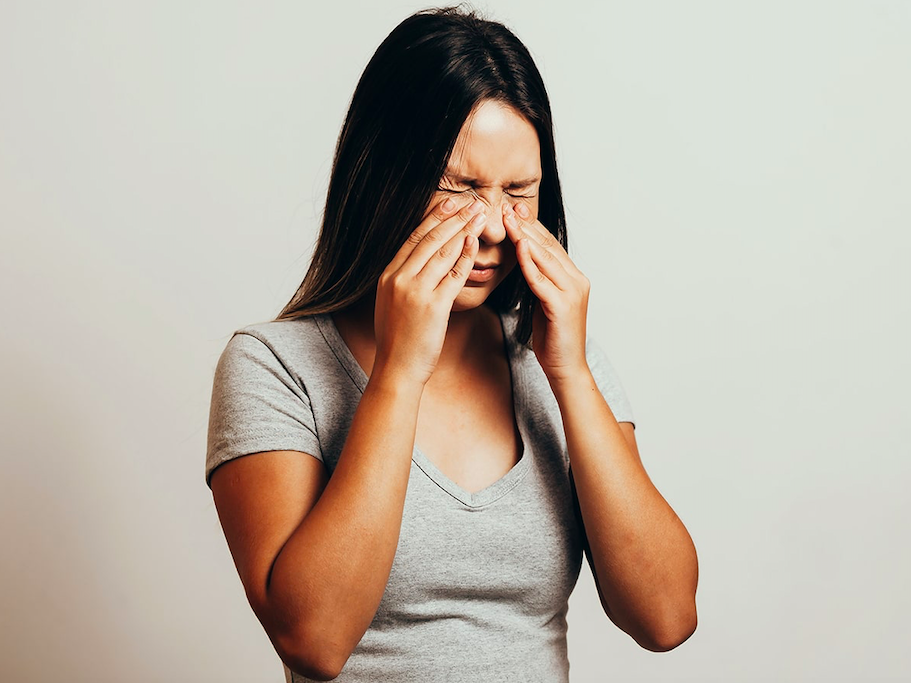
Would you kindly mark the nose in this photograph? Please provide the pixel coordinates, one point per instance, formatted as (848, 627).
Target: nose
(494, 231)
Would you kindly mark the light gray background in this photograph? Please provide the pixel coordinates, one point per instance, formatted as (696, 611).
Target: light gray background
(737, 179)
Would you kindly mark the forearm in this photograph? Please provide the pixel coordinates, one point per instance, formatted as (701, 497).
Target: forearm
(644, 559)
(329, 578)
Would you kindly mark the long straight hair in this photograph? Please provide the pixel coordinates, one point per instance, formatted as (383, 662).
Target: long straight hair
(405, 116)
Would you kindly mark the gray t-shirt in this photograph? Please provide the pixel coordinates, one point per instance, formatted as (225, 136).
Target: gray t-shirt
(480, 582)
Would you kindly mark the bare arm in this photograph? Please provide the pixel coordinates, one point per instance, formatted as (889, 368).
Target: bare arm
(328, 580)
(642, 557)
(314, 553)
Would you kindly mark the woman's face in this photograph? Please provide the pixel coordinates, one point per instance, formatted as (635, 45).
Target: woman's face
(497, 157)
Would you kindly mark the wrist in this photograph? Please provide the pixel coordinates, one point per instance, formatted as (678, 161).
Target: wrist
(573, 380)
(390, 379)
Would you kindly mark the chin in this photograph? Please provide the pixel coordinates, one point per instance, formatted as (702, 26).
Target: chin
(473, 296)
(469, 298)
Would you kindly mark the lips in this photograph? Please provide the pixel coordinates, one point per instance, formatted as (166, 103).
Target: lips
(482, 273)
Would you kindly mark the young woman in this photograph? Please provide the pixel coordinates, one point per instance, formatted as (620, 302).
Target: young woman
(431, 438)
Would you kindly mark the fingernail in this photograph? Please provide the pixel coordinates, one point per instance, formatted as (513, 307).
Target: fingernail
(478, 220)
(476, 206)
(510, 220)
(448, 205)
(523, 211)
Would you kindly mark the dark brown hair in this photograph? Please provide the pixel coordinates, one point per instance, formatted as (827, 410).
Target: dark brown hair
(405, 116)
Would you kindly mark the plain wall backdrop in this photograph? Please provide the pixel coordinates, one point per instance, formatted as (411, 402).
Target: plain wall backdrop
(738, 186)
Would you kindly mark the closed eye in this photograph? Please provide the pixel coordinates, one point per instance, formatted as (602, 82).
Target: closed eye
(517, 196)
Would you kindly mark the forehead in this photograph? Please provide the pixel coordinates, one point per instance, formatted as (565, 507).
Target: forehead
(496, 145)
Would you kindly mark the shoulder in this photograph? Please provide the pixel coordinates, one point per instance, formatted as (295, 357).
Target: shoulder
(279, 332)
(292, 344)
(289, 334)
(260, 398)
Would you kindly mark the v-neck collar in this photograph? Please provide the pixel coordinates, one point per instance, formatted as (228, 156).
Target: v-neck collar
(501, 486)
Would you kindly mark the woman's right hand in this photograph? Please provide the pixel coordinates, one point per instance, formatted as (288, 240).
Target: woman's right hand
(415, 292)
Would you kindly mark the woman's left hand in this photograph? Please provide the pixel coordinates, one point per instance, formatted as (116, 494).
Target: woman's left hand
(559, 324)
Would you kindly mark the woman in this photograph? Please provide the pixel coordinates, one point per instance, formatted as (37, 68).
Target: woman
(406, 509)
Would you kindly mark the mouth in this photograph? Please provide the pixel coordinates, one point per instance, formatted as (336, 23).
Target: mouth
(482, 272)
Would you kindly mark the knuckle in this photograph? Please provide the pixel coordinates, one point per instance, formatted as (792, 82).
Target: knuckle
(445, 251)
(438, 213)
(433, 236)
(401, 282)
(395, 282)
(466, 214)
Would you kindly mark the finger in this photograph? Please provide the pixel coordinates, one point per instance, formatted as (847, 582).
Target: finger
(550, 265)
(442, 212)
(441, 261)
(531, 227)
(455, 278)
(437, 237)
(534, 229)
(541, 285)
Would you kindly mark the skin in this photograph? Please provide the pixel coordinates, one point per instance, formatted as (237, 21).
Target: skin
(641, 555)
(643, 559)
(495, 148)
(314, 553)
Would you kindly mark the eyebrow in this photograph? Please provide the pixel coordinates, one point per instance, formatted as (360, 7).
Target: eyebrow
(465, 180)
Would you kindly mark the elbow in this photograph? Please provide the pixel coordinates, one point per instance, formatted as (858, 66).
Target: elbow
(316, 671)
(670, 635)
(307, 654)
(315, 663)
(309, 651)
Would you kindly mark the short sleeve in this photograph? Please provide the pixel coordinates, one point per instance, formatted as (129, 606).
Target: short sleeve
(608, 382)
(256, 406)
